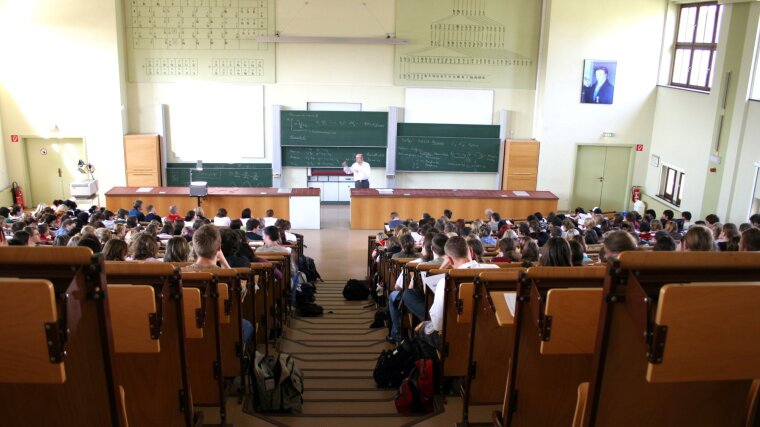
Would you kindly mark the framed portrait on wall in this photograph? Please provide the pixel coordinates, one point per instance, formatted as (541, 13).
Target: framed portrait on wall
(598, 85)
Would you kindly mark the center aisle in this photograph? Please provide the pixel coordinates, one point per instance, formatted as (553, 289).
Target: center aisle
(336, 353)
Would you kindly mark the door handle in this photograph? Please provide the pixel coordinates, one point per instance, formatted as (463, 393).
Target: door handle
(59, 173)
(601, 179)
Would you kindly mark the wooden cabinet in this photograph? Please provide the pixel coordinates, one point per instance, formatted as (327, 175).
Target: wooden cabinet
(142, 158)
(520, 165)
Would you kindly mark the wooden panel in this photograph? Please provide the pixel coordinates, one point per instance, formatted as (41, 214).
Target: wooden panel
(527, 182)
(129, 307)
(372, 212)
(503, 316)
(644, 260)
(25, 307)
(575, 319)
(520, 165)
(224, 295)
(698, 346)
(465, 296)
(581, 405)
(191, 300)
(210, 204)
(142, 160)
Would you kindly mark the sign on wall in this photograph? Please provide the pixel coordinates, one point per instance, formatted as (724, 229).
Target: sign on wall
(465, 43)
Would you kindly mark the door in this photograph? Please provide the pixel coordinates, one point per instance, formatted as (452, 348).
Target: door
(602, 177)
(52, 166)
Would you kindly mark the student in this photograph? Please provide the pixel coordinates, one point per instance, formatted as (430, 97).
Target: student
(221, 219)
(144, 247)
(115, 250)
(152, 215)
(484, 232)
(245, 215)
(755, 220)
(615, 243)
(556, 253)
(272, 241)
(729, 237)
(173, 216)
(395, 221)
(750, 241)
(177, 250)
(407, 247)
(414, 299)
(457, 256)
(685, 221)
(507, 252)
(698, 238)
(90, 241)
(136, 210)
(664, 243)
(66, 226)
(270, 218)
(231, 247)
(253, 230)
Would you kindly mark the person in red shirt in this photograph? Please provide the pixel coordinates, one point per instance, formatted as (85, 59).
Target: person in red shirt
(173, 214)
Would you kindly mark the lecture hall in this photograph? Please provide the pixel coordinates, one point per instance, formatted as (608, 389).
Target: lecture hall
(379, 213)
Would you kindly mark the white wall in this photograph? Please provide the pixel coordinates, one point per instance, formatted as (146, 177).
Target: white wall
(61, 68)
(602, 30)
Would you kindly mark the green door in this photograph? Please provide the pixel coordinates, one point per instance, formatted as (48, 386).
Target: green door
(52, 165)
(589, 176)
(602, 177)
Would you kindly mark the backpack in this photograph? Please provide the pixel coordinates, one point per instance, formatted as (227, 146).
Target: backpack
(278, 383)
(309, 269)
(309, 309)
(355, 291)
(393, 366)
(416, 392)
(305, 293)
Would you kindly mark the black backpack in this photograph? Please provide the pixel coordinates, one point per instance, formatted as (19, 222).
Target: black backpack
(309, 309)
(305, 293)
(355, 291)
(393, 366)
(308, 268)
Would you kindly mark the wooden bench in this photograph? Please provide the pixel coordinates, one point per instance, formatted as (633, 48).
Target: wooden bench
(56, 360)
(491, 336)
(258, 307)
(154, 382)
(204, 355)
(678, 341)
(556, 316)
(280, 292)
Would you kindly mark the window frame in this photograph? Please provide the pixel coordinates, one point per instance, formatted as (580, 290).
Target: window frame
(693, 47)
(754, 88)
(671, 195)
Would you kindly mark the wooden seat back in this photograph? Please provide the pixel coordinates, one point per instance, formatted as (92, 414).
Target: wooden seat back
(27, 311)
(78, 333)
(490, 338)
(151, 381)
(280, 290)
(536, 377)
(455, 336)
(131, 308)
(633, 345)
(204, 354)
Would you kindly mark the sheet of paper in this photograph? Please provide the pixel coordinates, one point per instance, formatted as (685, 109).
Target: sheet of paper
(432, 281)
(511, 298)
(385, 190)
(284, 190)
(144, 189)
(521, 193)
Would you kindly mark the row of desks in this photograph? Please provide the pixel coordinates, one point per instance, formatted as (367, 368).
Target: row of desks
(370, 208)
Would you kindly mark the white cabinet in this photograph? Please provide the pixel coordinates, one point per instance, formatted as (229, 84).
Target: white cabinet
(330, 192)
(345, 191)
(321, 187)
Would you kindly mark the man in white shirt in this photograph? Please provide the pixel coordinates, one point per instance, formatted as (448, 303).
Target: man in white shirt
(457, 256)
(360, 169)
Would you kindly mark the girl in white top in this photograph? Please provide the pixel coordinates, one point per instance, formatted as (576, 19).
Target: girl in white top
(221, 219)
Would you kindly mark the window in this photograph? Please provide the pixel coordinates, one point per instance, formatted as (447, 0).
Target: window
(696, 44)
(755, 88)
(671, 186)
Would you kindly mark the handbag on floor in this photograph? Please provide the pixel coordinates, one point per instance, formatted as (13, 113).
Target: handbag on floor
(278, 383)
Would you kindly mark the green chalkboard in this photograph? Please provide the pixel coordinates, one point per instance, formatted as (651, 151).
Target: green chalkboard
(432, 129)
(447, 154)
(330, 157)
(221, 174)
(333, 129)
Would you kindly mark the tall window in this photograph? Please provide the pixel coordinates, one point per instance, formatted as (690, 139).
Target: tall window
(671, 184)
(696, 44)
(755, 93)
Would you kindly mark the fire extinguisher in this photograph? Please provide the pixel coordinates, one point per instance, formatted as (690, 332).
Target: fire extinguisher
(635, 194)
(18, 195)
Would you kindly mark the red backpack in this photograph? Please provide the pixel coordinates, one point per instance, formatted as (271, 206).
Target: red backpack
(416, 392)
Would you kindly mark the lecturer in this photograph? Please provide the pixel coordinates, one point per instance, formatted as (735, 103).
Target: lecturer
(360, 169)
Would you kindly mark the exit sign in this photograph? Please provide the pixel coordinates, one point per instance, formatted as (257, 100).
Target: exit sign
(639, 147)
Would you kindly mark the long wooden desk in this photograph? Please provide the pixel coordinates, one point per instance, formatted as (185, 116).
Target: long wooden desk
(371, 209)
(300, 205)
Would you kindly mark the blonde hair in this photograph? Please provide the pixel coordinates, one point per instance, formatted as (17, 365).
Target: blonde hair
(698, 238)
